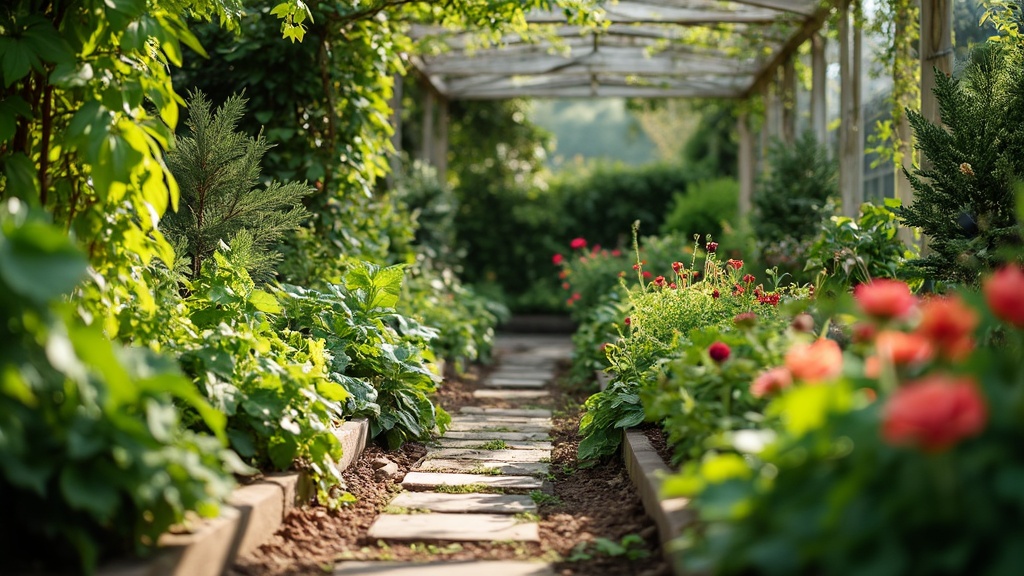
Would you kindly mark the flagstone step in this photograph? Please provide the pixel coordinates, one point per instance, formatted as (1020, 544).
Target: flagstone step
(452, 527)
(508, 382)
(505, 455)
(512, 395)
(484, 467)
(465, 503)
(471, 443)
(490, 418)
(496, 427)
(532, 412)
(420, 481)
(487, 435)
(447, 568)
(505, 372)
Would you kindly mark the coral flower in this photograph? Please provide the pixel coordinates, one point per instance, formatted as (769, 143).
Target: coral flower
(578, 243)
(817, 362)
(934, 412)
(1004, 292)
(557, 259)
(885, 299)
(903, 349)
(771, 381)
(949, 323)
(719, 352)
(734, 264)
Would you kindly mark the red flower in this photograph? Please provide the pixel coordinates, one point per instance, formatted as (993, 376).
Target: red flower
(817, 362)
(803, 322)
(719, 352)
(647, 274)
(696, 274)
(677, 266)
(1004, 292)
(734, 264)
(715, 294)
(557, 259)
(949, 323)
(711, 247)
(885, 299)
(673, 286)
(748, 278)
(578, 243)
(737, 290)
(771, 381)
(903, 349)
(616, 252)
(566, 285)
(863, 332)
(627, 321)
(934, 412)
(659, 281)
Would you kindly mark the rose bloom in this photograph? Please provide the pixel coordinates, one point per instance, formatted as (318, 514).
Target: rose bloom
(1004, 292)
(934, 412)
(817, 362)
(578, 243)
(885, 299)
(771, 381)
(949, 323)
(719, 351)
(557, 259)
(903, 349)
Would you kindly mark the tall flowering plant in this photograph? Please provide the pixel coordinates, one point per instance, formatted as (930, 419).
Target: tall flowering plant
(903, 454)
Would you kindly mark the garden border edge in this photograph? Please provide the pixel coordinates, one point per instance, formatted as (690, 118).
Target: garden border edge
(249, 517)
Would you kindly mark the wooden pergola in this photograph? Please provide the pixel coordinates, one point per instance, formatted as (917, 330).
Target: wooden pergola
(733, 49)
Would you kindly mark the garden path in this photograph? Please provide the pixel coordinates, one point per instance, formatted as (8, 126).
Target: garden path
(475, 482)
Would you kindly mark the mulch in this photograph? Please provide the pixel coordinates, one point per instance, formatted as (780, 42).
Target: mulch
(590, 508)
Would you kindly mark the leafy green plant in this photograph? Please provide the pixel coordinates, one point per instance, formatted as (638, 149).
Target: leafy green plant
(629, 546)
(93, 461)
(703, 208)
(218, 169)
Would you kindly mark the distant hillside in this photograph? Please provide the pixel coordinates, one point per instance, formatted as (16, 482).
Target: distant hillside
(598, 128)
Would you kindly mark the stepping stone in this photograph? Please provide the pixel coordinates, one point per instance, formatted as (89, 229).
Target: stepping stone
(465, 503)
(477, 444)
(488, 419)
(512, 394)
(463, 426)
(489, 455)
(486, 436)
(533, 412)
(483, 467)
(449, 568)
(420, 481)
(503, 374)
(452, 527)
(514, 382)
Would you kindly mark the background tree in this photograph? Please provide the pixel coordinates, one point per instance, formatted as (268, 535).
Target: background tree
(222, 200)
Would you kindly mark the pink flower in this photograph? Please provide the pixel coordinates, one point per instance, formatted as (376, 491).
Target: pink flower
(817, 362)
(719, 352)
(885, 299)
(934, 412)
(578, 244)
(1004, 292)
(949, 323)
(557, 259)
(771, 381)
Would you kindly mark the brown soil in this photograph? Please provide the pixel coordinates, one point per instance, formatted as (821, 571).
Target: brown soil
(591, 511)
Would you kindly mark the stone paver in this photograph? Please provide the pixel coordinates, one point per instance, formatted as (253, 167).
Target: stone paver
(490, 455)
(465, 503)
(484, 467)
(499, 394)
(452, 527)
(489, 419)
(479, 444)
(433, 480)
(508, 382)
(532, 412)
(515, 373)
(455, 568)
(497, 427)
(486, 435)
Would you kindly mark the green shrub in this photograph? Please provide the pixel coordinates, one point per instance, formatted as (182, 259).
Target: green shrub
(703, 208)
(793, 195)
(93, 461)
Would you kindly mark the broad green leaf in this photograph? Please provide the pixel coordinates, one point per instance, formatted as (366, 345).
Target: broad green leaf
(22, 178)
(89, 491)
(282, 451)
(264, 302)
(16, 59)
(39, 263)
(11, 108)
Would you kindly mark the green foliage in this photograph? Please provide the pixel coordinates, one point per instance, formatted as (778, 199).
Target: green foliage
(793, 195)
(964, 195)
(850, 252)
(703, 208)
(93, 461)
(218, 170)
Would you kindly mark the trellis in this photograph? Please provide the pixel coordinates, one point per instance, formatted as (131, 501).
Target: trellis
(660, 49)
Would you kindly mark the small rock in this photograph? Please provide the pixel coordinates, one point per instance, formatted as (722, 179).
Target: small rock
(386, 472)
(379, 462)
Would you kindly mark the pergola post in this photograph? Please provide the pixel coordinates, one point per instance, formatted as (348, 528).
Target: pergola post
(904, 192)
(936, 52)
(851, 133)
(788, 101)
(819, 116)
(440, 147)
(746, 163)
(765, 133)
(427, 141)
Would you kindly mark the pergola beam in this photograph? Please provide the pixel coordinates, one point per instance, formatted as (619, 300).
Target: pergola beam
(627, 11)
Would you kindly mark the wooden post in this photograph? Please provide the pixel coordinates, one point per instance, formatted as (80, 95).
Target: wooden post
(819, 109)
(851, 134)
(936, 52)
(904, 192)
(788, 101)
(427, 142)
(441, 145)
(746, 163)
